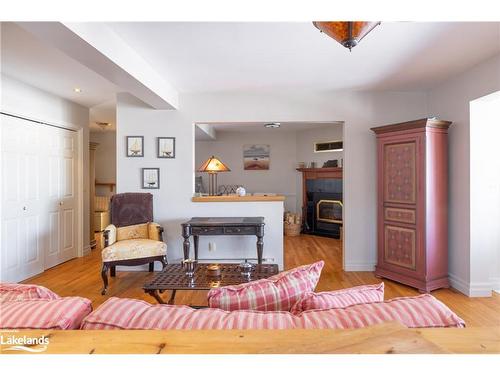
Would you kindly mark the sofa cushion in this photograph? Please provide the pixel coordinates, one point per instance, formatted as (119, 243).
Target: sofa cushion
(132, 232)
(339, 298)
(61, 313)
(422, 311)
(23, 292)
(277, 293)
(414, 312)
(124, 313)
(133, 249)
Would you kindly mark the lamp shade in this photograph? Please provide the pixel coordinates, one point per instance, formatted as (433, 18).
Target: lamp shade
(213, 165)
(349, 34)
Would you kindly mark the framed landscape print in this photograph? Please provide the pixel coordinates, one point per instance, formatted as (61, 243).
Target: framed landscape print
(150, 178)
(166, 147)
(256, 157)
(135, 146)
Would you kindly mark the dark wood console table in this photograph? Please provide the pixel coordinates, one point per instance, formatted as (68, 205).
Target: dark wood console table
(223, 226)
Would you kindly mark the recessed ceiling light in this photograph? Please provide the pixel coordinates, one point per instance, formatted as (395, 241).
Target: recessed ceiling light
(77, 89)
(272, 125)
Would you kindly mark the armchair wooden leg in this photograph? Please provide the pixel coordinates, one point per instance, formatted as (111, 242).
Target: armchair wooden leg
(112, 271)
(104, 275)
(151, 266)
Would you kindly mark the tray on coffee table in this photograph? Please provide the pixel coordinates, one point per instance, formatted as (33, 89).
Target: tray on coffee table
(174, 278)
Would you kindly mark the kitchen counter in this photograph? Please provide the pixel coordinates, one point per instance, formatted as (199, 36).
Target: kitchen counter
(236, 198)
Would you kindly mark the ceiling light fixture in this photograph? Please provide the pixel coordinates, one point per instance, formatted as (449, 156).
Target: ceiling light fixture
(272, 125)
(77, 89)
(103, 125)
(349, 34)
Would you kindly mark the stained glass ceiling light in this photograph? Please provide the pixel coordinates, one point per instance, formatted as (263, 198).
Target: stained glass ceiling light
(349, 34)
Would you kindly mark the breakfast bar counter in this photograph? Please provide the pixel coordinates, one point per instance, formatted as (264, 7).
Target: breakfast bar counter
(237, 198)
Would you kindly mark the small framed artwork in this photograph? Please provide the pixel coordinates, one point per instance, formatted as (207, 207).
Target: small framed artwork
(135, 146)
(150, 178)
(256, 157)
(166, 147)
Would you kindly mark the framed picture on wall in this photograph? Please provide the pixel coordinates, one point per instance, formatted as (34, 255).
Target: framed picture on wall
(135, 146)
(166, 147)
(150, 178)
(256, 157)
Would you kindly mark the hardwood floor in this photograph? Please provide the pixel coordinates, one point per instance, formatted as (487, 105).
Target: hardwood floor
(81, 277)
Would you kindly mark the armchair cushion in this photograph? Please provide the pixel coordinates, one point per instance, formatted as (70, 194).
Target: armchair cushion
(153, 232)
(132, 232)
(133, 249)
(111, 229)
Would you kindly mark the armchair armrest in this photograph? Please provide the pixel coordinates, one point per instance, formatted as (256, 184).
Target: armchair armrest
(155, 232)
(109, 235)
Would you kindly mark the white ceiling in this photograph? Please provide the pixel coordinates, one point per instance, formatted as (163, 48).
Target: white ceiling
(217, 56)
(29, 60)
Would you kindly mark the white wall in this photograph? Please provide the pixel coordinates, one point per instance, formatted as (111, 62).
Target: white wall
(360, 111)
(105, 159)
(24, 100)
(485, 191)
(450, 101)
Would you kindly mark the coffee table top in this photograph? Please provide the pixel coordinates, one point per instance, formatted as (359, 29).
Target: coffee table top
(174, 277)
(226, 221)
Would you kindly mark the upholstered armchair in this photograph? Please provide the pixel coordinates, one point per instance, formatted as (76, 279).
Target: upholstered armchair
(132, 238)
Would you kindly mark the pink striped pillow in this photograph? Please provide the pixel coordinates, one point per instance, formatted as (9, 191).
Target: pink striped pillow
(339, 298)
(414, 312)
(277, 293)
(123, 313)
(24, 292)
(61, 313)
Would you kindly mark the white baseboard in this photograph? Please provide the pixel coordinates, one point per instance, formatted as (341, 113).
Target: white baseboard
(359, 267)
(86, 250)
(471, 289)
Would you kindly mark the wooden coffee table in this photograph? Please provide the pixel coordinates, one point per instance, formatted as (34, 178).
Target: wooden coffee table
(174, 278)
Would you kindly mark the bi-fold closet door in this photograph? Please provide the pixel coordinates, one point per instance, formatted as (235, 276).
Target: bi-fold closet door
(39, 205)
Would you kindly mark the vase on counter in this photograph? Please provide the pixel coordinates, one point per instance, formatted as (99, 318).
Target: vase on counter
(241, 191)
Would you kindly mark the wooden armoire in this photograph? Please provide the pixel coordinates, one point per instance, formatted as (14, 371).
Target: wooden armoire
(412, 207)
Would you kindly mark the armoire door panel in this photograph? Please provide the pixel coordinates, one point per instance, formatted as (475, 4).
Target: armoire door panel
(400, 246)
(401, 215)
(400, 172)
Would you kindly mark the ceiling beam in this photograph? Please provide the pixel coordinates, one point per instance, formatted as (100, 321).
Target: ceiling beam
(100, 49)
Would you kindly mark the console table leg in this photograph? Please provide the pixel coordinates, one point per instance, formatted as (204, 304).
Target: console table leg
(186, 246)
(260, 247)
(196, 241)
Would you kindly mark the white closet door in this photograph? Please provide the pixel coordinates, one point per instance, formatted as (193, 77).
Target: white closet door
(23, 200)
(39, 205)
(61, 197)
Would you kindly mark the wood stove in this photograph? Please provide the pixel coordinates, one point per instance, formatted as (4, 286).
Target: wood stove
(322, 203)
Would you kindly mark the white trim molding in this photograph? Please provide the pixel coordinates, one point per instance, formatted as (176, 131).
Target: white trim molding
(478, 289)
(359, 267)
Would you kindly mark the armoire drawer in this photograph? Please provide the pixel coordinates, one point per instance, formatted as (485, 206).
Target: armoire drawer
(402, 215)
(400, 244)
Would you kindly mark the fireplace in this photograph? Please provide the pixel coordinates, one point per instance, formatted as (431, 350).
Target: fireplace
(322, 201)
(329, 211)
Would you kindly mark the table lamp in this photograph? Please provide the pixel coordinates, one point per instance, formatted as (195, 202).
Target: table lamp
(213, 166)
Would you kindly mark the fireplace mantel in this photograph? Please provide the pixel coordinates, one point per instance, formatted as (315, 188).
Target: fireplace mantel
(313, 173)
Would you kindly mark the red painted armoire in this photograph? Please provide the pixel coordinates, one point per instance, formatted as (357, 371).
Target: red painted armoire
(412, 208)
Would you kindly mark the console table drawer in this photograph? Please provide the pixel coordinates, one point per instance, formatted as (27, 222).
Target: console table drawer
(207, 230)
(240, 230)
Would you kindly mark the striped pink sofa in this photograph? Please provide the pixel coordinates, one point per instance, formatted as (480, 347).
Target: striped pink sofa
(414, 312)
(24, 306)
(35, 307)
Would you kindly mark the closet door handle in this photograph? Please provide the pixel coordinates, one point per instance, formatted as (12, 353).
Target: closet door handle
(25, 208)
